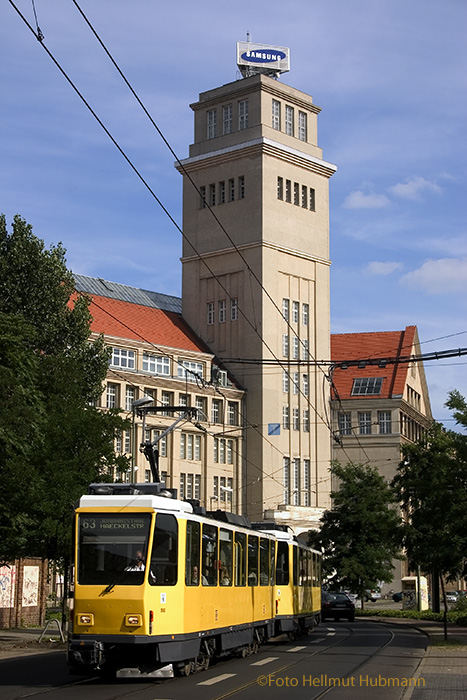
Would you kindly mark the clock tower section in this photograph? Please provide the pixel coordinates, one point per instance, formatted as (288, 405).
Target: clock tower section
(255, 283)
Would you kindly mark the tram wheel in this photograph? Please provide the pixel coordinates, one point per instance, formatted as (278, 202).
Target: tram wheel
(184, 668)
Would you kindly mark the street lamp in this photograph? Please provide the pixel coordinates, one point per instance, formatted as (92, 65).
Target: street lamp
(228, 489)
(136, 407)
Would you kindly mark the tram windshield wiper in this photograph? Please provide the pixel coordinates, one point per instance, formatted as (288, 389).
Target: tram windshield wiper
(108, 588)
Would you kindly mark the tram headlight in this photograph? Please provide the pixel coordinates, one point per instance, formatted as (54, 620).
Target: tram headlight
(132, 620)
(85, 619)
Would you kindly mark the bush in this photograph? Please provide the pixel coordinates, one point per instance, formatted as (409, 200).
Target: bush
(452, 615)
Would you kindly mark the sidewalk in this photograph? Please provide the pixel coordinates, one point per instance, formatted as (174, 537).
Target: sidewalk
(25, 641)
(444, 665)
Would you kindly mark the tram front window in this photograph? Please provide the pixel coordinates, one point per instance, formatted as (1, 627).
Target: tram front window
(112, 548)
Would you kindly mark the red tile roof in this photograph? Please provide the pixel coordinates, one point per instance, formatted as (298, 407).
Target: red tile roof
(123, 319)
(360, 346)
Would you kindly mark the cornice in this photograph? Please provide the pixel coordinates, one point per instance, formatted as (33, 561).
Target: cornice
(259, 146)
(259, 244)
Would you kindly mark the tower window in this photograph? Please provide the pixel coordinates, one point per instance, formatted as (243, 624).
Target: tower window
(304, 197)
(289, 119)
(295, 311)
(210, 313)
(288, 191)
(302, 126)
(234, 309)
(227, 119)
(202, 197)
(276, 115)
(312, 199)
(280, 188)
(296, 419)
(241, 187)
(222, 192)
(211, 123)
(212, 195)
(231, 190)
(296, 194)
(286, 478)
(222, 311)
(243, 115)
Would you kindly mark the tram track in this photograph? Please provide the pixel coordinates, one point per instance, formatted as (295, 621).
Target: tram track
(299, 653)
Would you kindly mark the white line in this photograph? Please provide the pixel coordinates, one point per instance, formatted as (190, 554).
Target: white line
(316, 641)
(218, 679)
(296, 649)
(265, 661)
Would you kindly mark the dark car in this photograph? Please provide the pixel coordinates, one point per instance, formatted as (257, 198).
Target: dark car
(337, 605)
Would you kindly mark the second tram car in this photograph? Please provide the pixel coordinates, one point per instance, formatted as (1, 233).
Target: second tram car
(157, 583)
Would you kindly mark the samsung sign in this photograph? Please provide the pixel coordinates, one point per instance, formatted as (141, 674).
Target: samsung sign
(263, 56)
(262, 59)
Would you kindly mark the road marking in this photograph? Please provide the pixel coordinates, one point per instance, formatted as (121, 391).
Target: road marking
(265, 661)
(316, 641)
(218, 679)
(296, 649)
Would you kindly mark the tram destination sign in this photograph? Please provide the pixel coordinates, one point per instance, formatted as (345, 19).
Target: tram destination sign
(261, 58)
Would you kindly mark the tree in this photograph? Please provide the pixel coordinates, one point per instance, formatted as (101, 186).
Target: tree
(359, 536)
(53, 441)
(431, 484)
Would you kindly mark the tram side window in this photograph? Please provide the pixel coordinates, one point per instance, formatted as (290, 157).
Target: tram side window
(164, 551)
(302, 564)
(225, 558)
(264, 561)
(240, 559)
(209, 560)
(282, 564)
(192, 553)
(295, 566)
(272, 561)
(309, 568)
(316, 570)
(252, 560)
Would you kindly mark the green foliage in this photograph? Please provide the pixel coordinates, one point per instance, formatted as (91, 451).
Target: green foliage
(359, 536)
(461, 605)
(451, 616)
(431, 484)
(53, 442)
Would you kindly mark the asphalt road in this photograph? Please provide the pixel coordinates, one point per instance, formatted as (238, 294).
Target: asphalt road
(360, 660)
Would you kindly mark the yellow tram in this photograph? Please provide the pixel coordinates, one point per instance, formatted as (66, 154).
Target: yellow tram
(158, 581)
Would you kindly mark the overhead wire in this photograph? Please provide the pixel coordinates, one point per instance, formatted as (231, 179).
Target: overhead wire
(283, 363)
(252, 274)
(146, 184)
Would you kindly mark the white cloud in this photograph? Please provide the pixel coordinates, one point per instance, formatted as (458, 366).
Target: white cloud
(360, 200)
(414, 188)
(442, 276)
(383, 268)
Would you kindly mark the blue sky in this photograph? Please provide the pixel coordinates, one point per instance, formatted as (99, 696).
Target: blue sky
(389, 75)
